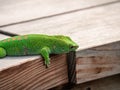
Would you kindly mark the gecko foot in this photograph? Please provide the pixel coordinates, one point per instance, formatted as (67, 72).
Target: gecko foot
(47, 63)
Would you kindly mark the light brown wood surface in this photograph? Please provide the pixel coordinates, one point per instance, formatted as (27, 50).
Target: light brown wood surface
(33, 75)
(107, 83)
(88, 28)
(3, 36)
(98, 62)
(15, 11)
(91, 24)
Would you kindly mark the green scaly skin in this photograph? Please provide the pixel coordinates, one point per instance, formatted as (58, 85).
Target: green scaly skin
(34, 44)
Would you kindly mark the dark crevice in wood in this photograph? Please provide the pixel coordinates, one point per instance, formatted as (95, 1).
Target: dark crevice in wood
(8, 33)
(59, 14)
(88, 88)
(71, 64)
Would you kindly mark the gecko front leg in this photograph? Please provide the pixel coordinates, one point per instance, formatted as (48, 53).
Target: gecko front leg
(45, 51)
(2, 52)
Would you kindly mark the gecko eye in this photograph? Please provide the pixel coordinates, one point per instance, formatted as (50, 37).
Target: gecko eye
(71, 47)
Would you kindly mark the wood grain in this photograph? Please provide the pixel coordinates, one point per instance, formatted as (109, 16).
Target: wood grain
(91, 64)
(13, 11)
(108, 83)
(17, 72)
(98, 62)
(33, 75)
(8, 62)
(88, 28)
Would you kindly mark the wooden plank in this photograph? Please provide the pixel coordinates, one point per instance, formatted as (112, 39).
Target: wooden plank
(30, 71)
(108, 83)
(19, 72)
(89, 28)
(14, 61)
(98, 62)
(97, 27)
(3, 36)
(92, 64)
(33, 75)
(13, 11)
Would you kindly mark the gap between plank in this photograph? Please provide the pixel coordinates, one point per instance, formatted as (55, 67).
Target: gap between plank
(8, 33)
(59, 14)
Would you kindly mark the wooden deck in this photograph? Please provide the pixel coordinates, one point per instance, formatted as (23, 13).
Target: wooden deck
(94, 25)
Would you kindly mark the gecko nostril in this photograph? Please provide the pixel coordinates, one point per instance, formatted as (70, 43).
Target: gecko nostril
(74, 47)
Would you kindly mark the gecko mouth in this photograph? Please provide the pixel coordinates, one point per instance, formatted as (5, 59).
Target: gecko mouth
(74, 47)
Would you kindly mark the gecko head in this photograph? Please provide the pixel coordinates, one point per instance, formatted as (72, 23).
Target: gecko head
(71, 45)
(66, 44)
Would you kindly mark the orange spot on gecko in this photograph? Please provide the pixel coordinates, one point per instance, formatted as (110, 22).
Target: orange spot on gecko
(3, 40)
(13, 38)
(8, 40)
(25, 37)
(54, 47)
(19, 38)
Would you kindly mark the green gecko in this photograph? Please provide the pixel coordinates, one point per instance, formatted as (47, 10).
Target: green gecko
(34, 44)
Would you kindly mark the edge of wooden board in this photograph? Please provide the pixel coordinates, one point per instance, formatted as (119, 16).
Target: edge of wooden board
(34, 75)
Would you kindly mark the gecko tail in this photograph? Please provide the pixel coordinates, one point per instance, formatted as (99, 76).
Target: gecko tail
(2, 52)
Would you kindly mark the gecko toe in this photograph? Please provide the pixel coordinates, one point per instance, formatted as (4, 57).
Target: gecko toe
(47, 63)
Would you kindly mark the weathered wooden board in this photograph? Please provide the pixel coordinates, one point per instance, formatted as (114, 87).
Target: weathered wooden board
(3, 36)
(33, 75)
(8, 62)
(13, 11)
(108, 83)
(17, 72)
(91, 64)
(98, 62)
(88, 28)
